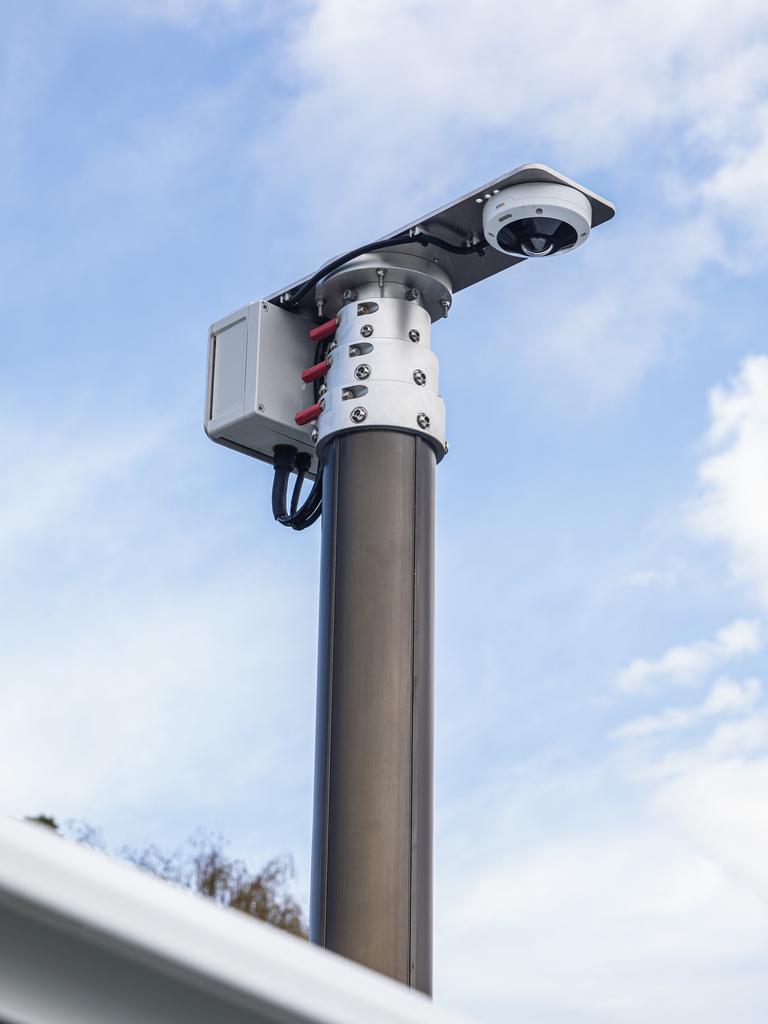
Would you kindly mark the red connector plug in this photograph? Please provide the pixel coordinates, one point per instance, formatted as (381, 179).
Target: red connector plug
(316, 372)
(324, 331)
(309, 414)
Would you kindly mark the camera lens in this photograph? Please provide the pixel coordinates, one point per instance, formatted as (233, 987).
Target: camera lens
(536, 236)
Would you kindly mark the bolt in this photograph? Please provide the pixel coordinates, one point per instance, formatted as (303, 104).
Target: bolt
(363, 371)
(314, 435)
(285, 297)
(414, 335)
(264, 306)
(260, 407)
(412, 294)
(445, 447)
(423, 420)
(346, 394)
(420, 377)
(349, 295)
(354, 351)
(381, 274)
(358, 414)
(366, 330)
(446, 305)
(320, 306)
(322, 389)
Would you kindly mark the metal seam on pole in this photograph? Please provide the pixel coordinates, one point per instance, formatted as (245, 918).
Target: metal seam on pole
(329, 710)
(414, 697)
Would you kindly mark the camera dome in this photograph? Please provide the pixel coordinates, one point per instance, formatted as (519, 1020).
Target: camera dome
(536, 219)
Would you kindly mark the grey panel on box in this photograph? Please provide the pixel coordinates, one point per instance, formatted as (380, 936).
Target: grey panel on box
(229, 366)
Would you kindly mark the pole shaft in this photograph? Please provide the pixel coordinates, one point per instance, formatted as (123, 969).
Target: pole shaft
(372, 842)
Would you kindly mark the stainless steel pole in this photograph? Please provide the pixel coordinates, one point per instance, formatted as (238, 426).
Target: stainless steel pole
(372, 843)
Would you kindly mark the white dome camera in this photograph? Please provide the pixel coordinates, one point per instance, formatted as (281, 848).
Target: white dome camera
(537, 219)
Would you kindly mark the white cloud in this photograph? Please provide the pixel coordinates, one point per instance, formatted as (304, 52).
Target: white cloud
(613, 74)
(687, 664)
(137, 642)
(726, 697)
(458, 111)
(623, 921)
(667, 576)
(732, 506)
(622, 893)
(48, 481)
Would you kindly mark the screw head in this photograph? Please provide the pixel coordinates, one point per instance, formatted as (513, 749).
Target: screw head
(363, 371)
(366, 330)
(412, 294)
(349, 294)
(260, 407)
(414, 335)
(322, 389)
(423, 420)
(314, 435)
(358, 414)
(420, 377)
(446, 305)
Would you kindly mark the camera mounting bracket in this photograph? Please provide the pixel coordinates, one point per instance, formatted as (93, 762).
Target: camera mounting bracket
(461, 221)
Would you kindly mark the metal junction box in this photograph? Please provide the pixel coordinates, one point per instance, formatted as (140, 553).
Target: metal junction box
(255, 359)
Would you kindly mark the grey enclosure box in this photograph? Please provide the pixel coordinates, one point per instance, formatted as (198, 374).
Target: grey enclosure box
(255, 359)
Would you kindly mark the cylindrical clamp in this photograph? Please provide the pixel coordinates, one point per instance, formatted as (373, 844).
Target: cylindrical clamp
(384, 374)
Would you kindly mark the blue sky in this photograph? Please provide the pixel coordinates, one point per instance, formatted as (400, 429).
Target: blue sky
(602, 731)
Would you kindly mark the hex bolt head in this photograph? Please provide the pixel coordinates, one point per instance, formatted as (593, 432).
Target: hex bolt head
(358, 414)
(423, 421)
(366, 330)
(420, 377)
(315, 434)
(354, 351)
(349, 295)
(412, 294)
(363, 371)
(322, 389)
(414, 335)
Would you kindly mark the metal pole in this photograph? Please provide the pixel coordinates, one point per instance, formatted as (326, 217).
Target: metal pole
(372, 843)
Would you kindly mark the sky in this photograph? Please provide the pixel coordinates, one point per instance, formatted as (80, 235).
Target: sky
(602, 548)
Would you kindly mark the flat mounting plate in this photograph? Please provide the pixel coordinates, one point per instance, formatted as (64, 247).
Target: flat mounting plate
(461, 220)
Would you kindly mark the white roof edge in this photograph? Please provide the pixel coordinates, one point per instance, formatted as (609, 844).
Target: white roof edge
(237, 960)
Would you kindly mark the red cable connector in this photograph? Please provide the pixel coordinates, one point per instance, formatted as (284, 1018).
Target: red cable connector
(324, 331)
(316, 372)
(309, 414)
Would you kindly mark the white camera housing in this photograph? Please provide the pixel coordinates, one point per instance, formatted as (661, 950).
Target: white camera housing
(537, 219)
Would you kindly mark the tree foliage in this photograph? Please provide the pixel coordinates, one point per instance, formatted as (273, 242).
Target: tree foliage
(203, 867)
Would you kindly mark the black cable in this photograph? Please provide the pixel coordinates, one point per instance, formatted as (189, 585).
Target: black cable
(284, 461)
(280, 494)
(312, 508)
(386, 243)
(303, 463)
(312, 518)
(287, 459)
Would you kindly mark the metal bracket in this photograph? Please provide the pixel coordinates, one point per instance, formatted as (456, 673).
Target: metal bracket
(462, 221)
(383, 372)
